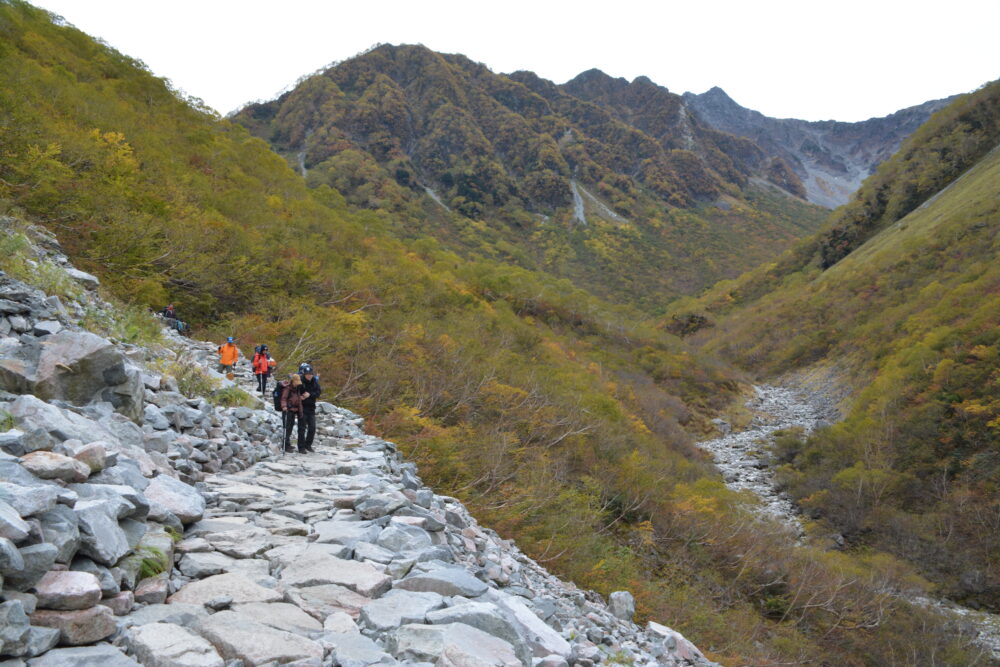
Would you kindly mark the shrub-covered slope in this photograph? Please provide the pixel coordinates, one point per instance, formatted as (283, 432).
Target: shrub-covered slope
(560, 419)
(608, 183)
(911, 310)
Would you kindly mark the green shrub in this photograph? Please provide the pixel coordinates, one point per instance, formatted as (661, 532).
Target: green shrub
(232, 397)
(128, 323)
(193, 380)
(152, 561)
(16, 259)
(6, 421)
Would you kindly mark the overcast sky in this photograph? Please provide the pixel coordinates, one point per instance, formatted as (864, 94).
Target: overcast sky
(845, 60)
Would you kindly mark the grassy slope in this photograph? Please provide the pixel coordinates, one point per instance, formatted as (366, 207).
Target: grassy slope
(914, 315)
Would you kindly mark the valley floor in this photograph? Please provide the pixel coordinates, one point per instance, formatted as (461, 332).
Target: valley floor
(744, 460)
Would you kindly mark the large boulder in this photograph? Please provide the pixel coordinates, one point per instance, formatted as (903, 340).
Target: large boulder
(180, 499)
(31, 413)
(453, 644)
(101, 538)
(84, 626)
(452, 580)
(67, 590)
(102, 655)
(316, 568)
(74, 366)
(399, 607)
(234, 585)
(239, 638)
(170, 645)
(14, 629)
(49, 465)
(12, 526)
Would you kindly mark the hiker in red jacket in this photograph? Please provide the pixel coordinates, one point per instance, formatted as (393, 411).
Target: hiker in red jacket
(263, 365)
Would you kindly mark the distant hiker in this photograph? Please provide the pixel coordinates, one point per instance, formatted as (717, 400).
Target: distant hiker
(228, 355)
(311, 391)
(169, 312)
(292, 412)
(263, 364)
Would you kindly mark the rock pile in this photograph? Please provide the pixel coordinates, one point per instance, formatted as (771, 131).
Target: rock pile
(142, 526)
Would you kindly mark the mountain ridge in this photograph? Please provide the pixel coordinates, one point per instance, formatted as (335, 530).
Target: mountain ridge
(831, 158)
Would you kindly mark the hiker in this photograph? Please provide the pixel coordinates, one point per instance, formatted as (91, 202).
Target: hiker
(311, 391)
(228, 355)
(169, 312)
(292, 412)
(263, 364)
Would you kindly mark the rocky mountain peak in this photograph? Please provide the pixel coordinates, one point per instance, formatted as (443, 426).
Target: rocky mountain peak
(831, 158)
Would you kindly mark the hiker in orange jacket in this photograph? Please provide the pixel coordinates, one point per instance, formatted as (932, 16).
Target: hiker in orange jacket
(228, 355)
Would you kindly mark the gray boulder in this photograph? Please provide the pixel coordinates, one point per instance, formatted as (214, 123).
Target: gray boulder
(400, 537)
(74, 366)
(398, 607)
(354, 650)
(453, 644)
(238, 638)
(61, 528)
(101, 538)
(314, 569)
(38, 559)
(451, 580)
(30, 413)
(487, 617)
(622, 605)
(29, 500)
(10, 558)
(12, 526)
(14, 629)
(102, 655)
(170, 645)
(180, 499)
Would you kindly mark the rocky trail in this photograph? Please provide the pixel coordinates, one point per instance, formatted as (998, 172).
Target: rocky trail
(143, 526)
(744, 460)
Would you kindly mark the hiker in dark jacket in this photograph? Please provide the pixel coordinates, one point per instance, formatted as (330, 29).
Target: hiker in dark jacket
(292, 412)
(311, 391)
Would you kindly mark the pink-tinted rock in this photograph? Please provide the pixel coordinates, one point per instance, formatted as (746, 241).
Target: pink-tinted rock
(68, 590)
(120, 604)
(49, 465)
(152, 590)
(84, 626)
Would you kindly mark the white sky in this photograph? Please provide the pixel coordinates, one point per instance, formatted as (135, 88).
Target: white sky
(846, 60)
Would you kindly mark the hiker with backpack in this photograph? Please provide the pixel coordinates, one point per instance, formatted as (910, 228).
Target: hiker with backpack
(311, 391)
(292, 412)
(229, 354)
(263, 366)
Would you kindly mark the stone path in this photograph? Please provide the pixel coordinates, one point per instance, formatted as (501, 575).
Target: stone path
(344, 557)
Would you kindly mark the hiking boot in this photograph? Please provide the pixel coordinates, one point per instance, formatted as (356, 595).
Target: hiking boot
(289, 450)
(310, 449)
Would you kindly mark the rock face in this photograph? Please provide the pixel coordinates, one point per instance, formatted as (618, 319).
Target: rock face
(74, 366)
(831, 158)
(340, 557)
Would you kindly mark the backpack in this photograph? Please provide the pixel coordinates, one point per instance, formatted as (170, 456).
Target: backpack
(279, 387)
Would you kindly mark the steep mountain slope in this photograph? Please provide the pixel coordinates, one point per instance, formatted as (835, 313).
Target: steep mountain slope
(907, 310)
(830, 158)
(620, 191)
(560, 419)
